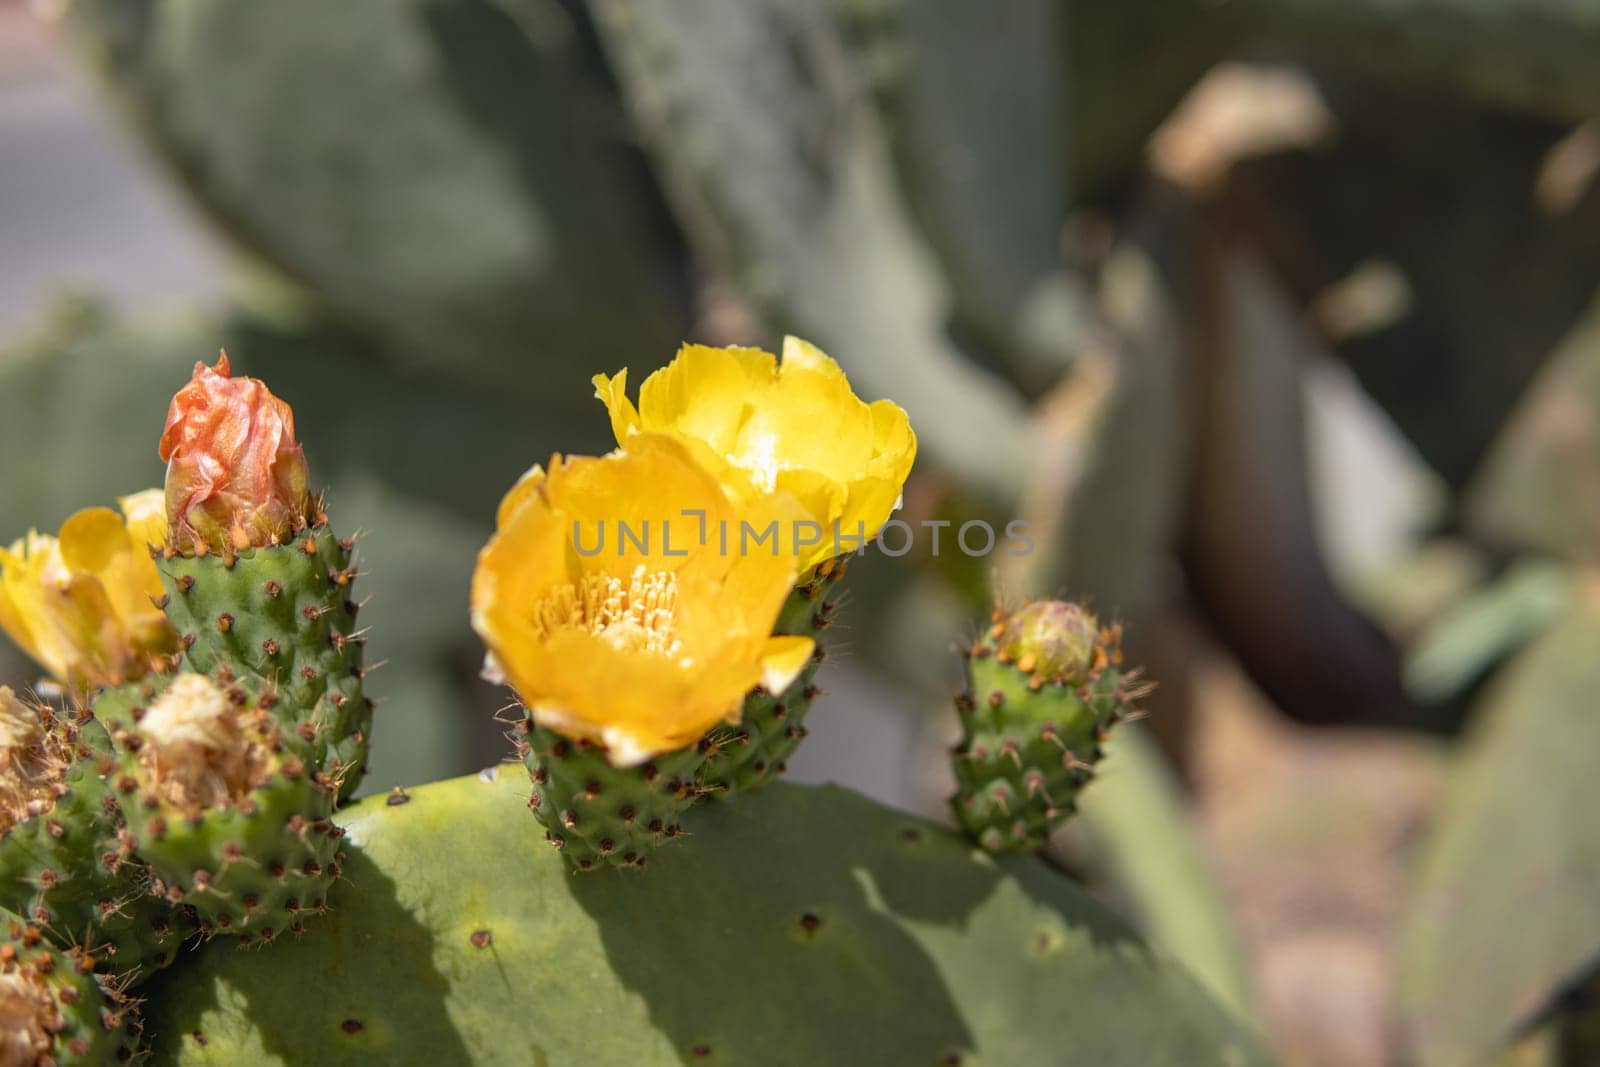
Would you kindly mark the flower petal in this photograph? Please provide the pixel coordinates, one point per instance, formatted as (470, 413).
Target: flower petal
(764, 426)
(641, 647)
(784, 657)
(613, 393)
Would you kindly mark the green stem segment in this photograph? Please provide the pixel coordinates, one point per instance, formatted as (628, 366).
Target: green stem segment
(239, 829)
(601, 815)
(56, 1009)
(283, 614)
(772, 725)
(62, 868)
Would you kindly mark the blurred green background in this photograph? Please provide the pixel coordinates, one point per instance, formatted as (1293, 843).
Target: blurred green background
(1274, 318)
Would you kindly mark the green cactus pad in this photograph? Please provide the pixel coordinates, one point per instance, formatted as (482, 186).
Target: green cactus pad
(252, 860)
(283, 613)
(600, 815)
(800, 926)
(56, 1009)
(1039, 703)
(61, 868)
(772, 725)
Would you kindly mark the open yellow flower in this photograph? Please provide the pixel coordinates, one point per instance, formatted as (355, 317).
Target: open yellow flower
(794, 426)
(609, 602)
(81, 603)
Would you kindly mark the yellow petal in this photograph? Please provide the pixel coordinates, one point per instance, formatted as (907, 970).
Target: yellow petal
(92, 538)
(762, 426)
(822, 497)
(894, 445)
(705, 393)
(17, 599)
(525, 486)
(641, 498)
(81, 604)
(613, 393)
(146, 516)
(640, 651)
(784, 657)
(803, 355)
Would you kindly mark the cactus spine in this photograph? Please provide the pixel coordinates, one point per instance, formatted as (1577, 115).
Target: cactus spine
(1045, 686)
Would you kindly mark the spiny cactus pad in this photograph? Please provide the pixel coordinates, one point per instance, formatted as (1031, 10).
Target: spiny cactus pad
(772, 725)
(232, 820)
(800, 926)
(600, 815)
(1043, 690)
(53, 1009)
(59, 861)
(283, 613)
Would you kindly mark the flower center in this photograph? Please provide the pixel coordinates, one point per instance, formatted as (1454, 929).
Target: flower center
(636, 615)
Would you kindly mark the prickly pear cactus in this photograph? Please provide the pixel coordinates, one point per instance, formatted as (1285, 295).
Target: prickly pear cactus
(772, 725)
(60, 864)
(801, 925)
(228, 810)
(1044, 687)
(284, 613)
(56, 1010)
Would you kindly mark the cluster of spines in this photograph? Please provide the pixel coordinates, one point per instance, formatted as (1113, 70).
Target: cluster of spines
(601, 815)
(772, 725)
(284, 614)
(61, 866)
(253, 863)
(57, 1009)
(1035, 717)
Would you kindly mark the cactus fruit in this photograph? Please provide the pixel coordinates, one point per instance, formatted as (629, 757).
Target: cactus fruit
(598, 814)
(60, 865)
(232, 817)
(1045, 686)
(283, 613)
(54, 1010)
(771, 726)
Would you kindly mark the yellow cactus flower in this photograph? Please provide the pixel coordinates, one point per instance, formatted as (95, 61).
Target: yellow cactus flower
(81, 603)
(615, 603)
(795, 427)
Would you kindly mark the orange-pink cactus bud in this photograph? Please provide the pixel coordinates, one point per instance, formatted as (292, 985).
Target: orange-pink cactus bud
(236, 477)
